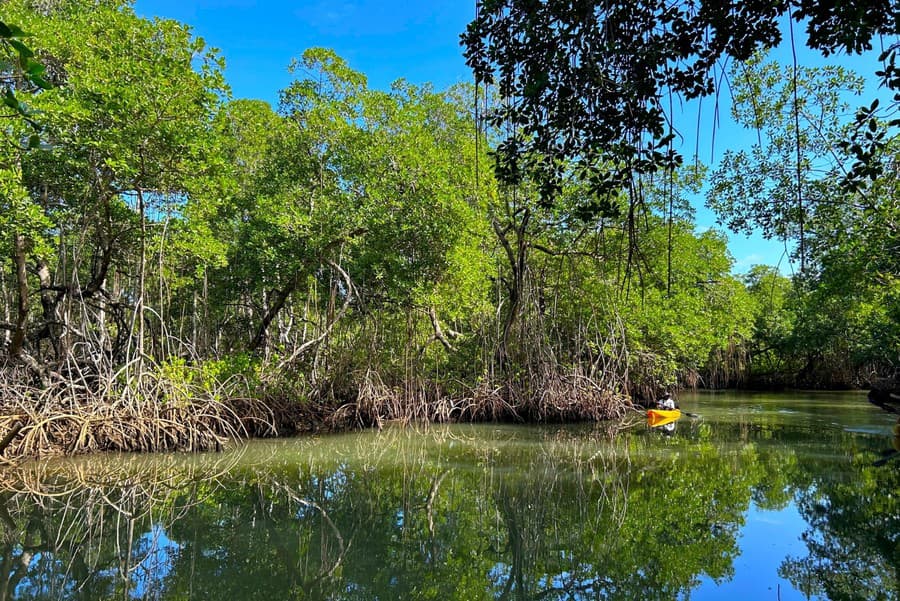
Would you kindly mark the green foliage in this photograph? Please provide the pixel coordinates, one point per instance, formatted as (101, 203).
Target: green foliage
(586, 85)
(770, 186)
(20, 72)
(834, 324)
(19, 214)
(774, 320)
(667, 286)
(346, 196)
(352, 244)
(238, 372)
(125, 136)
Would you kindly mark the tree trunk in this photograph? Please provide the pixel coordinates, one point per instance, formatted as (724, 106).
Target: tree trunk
(517, 256)
(17, 351)
(20, 330)
(7, 315)
(49, 302)
(280, 298)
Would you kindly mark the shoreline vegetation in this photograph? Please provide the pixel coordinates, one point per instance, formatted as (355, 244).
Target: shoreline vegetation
(186, 268)
(159, 415)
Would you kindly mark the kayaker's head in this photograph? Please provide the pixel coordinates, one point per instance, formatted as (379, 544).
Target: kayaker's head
(667, 396)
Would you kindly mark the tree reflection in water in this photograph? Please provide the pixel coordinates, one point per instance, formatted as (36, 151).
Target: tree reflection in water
(451, 513)
(853, 534)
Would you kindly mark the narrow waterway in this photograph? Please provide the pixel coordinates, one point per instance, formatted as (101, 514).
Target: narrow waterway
(752, 496)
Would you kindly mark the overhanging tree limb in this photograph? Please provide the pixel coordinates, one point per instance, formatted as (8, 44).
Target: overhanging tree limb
(582, 81)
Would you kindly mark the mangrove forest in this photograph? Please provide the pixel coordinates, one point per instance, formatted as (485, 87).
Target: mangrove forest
(182, 267)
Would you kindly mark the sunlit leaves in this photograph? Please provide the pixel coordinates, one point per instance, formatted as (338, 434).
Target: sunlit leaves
(583, 83)
(368, 179)
(769, 187)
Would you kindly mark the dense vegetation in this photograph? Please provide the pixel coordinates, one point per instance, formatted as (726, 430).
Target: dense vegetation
(592, 88)
(186, 265)
(837, 323)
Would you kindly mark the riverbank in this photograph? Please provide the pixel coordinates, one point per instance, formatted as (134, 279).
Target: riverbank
(68, 416)
(191, 408)
(154, 412)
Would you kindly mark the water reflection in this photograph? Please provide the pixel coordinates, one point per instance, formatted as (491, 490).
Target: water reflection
(472, 512)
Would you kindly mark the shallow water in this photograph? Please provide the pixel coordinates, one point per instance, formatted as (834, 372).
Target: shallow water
(759, 497)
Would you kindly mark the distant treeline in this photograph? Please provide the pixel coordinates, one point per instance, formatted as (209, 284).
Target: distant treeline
(207, 266)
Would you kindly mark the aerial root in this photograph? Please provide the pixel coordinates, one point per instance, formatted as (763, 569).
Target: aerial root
(37, 422)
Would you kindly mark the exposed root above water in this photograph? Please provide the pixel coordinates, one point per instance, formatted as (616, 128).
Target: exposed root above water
(554, 398)
(158, 412)
(65, 418)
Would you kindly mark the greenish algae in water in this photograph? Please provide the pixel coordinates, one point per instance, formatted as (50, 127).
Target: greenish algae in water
(763, 496)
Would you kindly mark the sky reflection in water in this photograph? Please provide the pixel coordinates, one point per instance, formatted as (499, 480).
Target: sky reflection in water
(762, 497)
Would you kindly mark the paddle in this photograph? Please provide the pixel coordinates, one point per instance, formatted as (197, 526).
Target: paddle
(683, 412)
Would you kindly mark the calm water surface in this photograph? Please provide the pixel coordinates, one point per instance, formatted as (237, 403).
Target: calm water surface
(759, 497)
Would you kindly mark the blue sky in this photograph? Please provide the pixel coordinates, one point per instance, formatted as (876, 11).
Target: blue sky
(385, 39)
(388, 40)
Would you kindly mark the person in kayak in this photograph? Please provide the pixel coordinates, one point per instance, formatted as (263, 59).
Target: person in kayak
(666, 402)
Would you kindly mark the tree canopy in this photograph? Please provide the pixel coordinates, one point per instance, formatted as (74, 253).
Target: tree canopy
(345, 258)
(592, 82)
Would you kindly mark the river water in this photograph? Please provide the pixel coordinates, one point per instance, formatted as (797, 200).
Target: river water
(757, 496)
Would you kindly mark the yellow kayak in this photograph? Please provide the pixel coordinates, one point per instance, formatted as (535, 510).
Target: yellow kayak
(661, 417)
